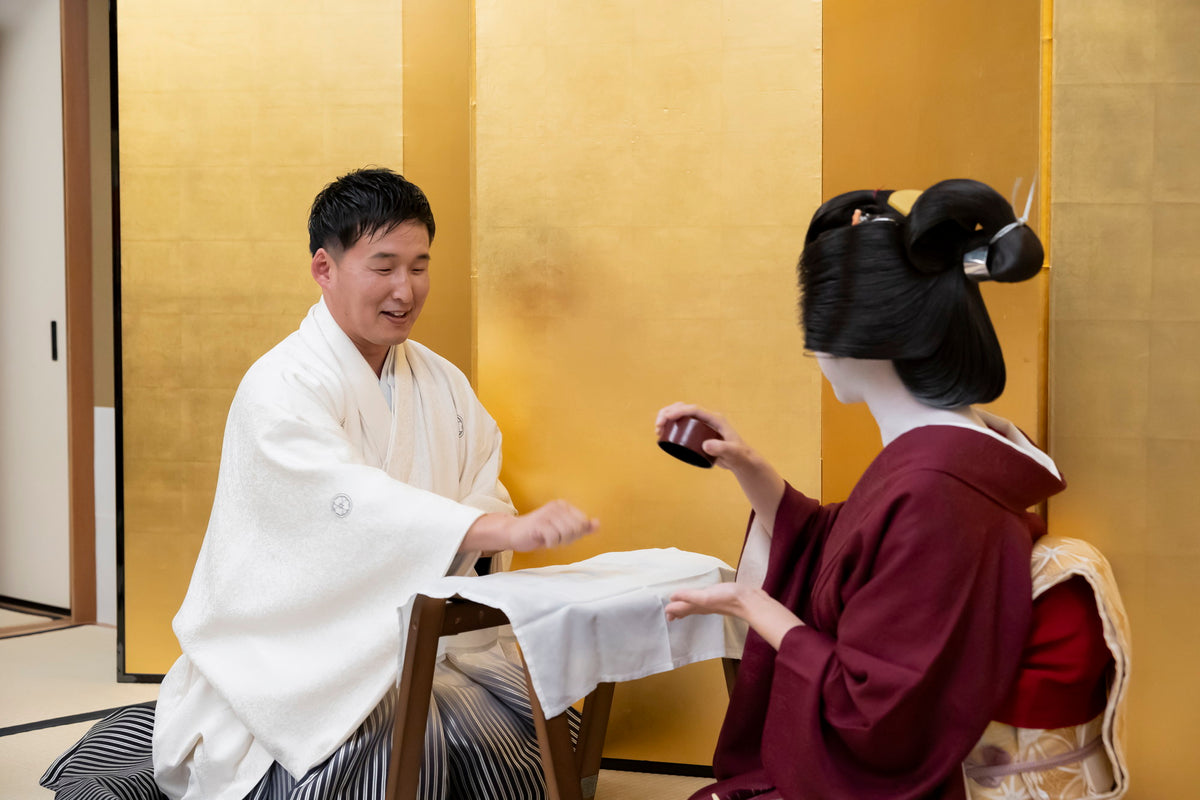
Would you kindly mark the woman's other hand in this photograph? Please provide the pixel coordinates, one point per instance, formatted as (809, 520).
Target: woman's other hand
(721, 598)
(767, 616)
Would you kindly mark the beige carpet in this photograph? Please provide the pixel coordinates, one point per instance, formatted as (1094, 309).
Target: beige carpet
(73, 671)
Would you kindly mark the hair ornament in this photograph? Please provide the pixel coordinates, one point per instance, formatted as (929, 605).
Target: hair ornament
(975, 261)
(903, 200)
(868, 217)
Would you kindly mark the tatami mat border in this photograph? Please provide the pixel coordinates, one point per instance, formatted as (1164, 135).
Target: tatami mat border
(68, 720)
(55, 629)
(657, 767)
(30, 607)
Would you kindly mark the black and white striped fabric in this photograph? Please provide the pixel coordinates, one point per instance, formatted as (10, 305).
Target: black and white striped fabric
(112, 760)
(480, 743)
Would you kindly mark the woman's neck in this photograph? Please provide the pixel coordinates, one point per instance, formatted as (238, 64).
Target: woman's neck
(895, 409)
(898, 415)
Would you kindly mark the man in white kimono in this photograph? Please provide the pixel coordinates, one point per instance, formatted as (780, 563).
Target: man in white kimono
(357, 465)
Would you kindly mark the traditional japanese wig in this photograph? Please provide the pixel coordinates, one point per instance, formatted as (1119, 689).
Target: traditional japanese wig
(894, 286)
(363, 203)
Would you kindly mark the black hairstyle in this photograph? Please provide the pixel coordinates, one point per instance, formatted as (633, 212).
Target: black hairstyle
(894, 287)
(362, 203)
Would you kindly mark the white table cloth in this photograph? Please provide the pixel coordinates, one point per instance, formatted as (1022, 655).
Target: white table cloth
(600, 620)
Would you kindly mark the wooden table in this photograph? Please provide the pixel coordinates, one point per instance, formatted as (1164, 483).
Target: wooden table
(571, 771)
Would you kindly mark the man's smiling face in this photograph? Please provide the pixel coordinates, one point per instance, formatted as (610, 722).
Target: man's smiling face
(376, 289)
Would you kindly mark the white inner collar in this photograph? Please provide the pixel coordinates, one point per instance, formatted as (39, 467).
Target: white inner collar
(1002, 430)
(387, 376)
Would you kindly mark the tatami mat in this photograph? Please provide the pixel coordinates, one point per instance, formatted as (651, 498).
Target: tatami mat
(644, 786)
(45, 676)
(73, 671)
(60, 673)
(25, 756)
(10, 619)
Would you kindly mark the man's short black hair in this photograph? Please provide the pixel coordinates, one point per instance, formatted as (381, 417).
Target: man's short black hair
(364, 203)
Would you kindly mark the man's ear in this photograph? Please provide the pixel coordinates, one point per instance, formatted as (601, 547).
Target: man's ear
(322, 263)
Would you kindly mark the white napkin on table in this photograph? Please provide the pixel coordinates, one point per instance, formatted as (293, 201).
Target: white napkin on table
(601, 620)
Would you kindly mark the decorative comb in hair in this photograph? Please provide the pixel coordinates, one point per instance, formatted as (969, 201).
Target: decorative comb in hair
(901, 201)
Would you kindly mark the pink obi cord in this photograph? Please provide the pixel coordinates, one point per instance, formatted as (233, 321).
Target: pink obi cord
(997, 764)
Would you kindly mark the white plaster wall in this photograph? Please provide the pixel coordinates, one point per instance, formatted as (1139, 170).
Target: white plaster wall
(34, 540)
(106, 515)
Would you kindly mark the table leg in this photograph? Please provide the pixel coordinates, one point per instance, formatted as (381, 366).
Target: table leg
(554, 743)
(592, 727)
(412, 704)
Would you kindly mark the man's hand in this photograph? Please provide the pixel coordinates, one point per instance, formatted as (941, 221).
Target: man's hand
(555, 524)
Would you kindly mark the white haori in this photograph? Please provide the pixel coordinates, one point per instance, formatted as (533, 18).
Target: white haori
(330, 510)
(603, 619)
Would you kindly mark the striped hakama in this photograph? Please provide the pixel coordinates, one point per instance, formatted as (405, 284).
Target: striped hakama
(480, 743)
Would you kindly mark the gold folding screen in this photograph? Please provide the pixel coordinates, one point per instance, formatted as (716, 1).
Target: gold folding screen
(232, 116)
(1126, 341)
(643, 180)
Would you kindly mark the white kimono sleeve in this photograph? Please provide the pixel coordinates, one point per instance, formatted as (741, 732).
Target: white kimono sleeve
(291, 613)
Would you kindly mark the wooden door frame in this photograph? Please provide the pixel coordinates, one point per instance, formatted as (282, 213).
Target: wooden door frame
(77, 234)
(77, 214)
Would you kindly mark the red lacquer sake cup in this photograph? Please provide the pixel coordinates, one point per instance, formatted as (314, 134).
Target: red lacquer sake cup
(683, 438)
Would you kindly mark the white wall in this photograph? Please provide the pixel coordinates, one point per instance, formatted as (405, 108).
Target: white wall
(106, 515)
(34, 540)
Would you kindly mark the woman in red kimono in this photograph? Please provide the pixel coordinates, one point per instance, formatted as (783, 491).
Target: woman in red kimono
(888, 630)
